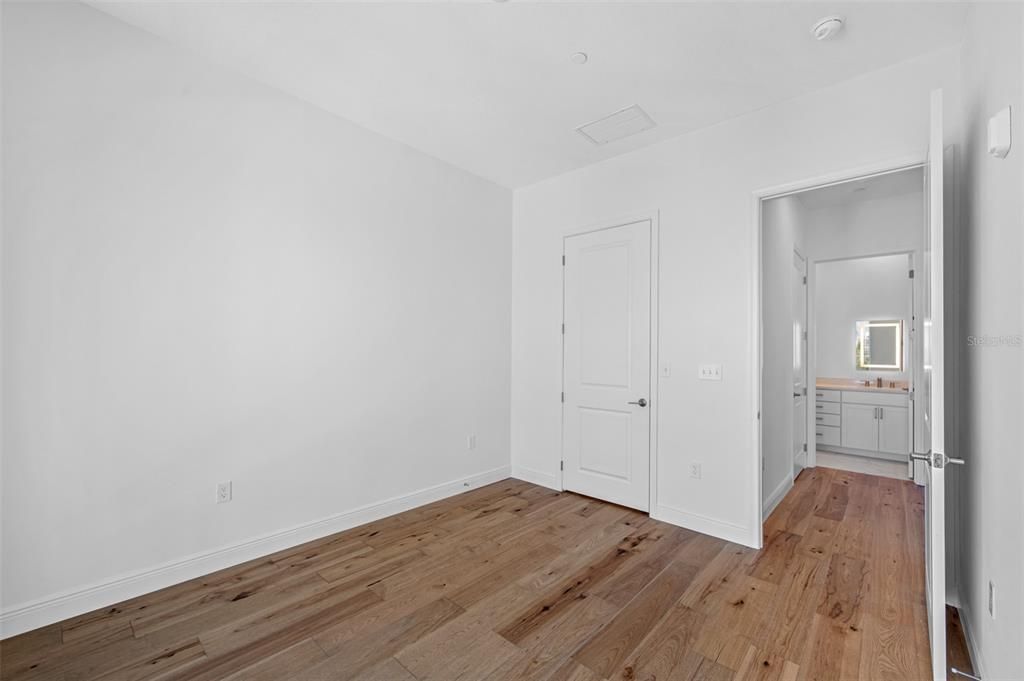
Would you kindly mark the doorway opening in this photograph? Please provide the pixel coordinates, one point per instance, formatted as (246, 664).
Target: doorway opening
(840, 344)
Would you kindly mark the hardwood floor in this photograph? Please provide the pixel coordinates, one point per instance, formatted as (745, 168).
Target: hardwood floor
(514, 581)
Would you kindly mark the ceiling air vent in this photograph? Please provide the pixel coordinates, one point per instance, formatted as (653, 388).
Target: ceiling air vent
(628, 121)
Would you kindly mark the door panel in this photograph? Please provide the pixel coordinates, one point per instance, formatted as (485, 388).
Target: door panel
(860, 426)
(607, 364)
(799, 285)
(932, 398)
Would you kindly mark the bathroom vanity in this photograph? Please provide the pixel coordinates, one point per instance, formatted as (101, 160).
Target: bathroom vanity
(853, 418)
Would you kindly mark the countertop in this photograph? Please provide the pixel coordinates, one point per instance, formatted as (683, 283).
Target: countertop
(855, 385)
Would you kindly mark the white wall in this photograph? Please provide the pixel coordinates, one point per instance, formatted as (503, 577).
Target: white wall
(871, 227)
(702, 185)
(992, 251)
(783, 233)
(207, 280)
(848, 291)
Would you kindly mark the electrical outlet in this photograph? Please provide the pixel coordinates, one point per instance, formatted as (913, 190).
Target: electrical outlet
(471, 442)
(224, 492)
(991, 600)
(709, 372)
(695, 471)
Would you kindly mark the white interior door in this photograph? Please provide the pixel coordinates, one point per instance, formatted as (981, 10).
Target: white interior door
(931, 453)
(607, 364)
(799, 276)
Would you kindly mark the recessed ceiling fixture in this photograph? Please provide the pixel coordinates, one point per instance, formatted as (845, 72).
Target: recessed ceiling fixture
(578, 57)
(623, 123)
(827, 28)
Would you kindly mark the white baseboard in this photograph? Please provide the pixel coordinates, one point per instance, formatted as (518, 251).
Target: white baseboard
(972, 643)
(776, 496)
(537, 477)
(57, 607)
(738, 534)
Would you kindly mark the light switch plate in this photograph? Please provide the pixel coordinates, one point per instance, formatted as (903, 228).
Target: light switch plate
(709, 372)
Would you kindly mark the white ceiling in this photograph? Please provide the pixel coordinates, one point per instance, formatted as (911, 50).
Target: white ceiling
(489, 86)
(904, 182)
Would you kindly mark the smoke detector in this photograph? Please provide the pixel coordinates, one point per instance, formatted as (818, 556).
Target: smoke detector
(827, 28)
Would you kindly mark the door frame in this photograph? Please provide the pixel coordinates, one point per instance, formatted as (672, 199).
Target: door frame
(652, 217)
(758, 197)
(812, 346)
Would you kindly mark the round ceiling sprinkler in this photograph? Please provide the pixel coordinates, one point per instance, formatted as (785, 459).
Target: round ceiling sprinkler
(827, 28)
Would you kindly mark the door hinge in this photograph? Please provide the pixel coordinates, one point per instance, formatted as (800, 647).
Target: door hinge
(563, 261)
(563, 329)
(805, 446)
(804, 390)
(561, 465)
(563, 397)
(911, 274)
(805, 335)
(805, 278)
(758, 416)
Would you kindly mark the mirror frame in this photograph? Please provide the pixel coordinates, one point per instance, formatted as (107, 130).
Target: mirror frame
(862, 327)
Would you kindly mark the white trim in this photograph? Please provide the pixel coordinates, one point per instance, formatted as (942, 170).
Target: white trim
(756, 507)
(57, 607)
(756, 530)
(843, 176)
(972, 643)
(738, 534)
(780, 492)
(536, 477)
(652, 217)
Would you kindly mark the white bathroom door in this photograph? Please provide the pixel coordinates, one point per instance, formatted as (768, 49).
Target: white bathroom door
(607, 364)
(799, 284)
(931, 454)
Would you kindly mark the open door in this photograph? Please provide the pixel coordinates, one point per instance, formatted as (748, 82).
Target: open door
(799, 281)
(930, 454)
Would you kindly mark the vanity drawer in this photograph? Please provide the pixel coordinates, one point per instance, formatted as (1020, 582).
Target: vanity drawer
(828, 395)
(827, 420)
(826, 408)
(827, 435)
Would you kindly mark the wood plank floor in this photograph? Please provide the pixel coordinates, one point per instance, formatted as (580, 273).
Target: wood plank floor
(514, 581)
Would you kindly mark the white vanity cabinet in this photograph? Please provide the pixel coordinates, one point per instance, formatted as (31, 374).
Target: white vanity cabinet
(864, 422)
(860, 426)
(894, 430)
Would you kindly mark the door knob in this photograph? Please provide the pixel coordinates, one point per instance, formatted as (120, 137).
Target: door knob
(936, 459)
(641, 402)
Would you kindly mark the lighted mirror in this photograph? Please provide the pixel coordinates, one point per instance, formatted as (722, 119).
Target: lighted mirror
(880, 345)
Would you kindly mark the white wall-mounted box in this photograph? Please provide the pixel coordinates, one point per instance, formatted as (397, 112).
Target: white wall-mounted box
(999, 139)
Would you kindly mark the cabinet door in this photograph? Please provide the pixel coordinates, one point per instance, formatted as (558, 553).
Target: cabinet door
(860, 427)
(894, 430)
